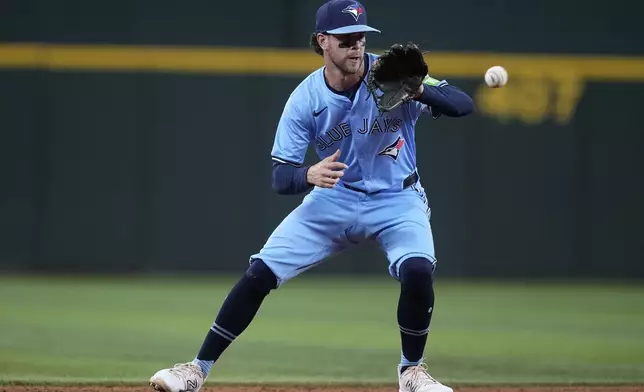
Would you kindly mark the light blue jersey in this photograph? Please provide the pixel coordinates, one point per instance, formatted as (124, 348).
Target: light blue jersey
(379, 199)
(379, 148)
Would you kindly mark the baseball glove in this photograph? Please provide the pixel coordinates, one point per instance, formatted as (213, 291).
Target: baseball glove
(398, 73)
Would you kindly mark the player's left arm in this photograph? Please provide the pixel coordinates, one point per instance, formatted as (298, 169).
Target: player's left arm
(444, 99)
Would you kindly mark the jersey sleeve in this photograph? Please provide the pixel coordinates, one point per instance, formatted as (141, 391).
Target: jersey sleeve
(418, 108)
(293, 133)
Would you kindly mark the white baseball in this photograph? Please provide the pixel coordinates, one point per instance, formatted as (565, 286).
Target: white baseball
(496, 76)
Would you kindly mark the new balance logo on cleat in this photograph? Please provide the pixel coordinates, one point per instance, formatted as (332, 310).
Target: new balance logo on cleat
(183, 377)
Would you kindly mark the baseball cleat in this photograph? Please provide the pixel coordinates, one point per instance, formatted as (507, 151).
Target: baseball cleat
(183, 377)
(417, 379)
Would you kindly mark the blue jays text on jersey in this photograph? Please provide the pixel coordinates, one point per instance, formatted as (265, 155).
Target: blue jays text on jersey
(340, 131)
(379, 148)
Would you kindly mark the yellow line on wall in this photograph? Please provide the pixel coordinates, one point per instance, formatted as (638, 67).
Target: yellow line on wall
(272, 61)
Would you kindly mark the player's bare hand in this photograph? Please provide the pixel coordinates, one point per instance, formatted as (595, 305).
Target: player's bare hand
(327, 172)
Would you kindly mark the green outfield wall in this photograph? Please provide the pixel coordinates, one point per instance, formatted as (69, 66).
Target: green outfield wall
(136, 136)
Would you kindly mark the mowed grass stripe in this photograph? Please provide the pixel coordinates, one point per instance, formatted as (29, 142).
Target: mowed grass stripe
(319, 330)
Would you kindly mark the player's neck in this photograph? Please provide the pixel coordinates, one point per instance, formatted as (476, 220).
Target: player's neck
(340, 81)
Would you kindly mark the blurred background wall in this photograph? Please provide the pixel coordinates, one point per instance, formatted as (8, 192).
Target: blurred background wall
(136, 135)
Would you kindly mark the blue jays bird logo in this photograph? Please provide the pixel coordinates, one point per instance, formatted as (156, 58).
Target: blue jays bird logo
(354, 10)
(393, 149)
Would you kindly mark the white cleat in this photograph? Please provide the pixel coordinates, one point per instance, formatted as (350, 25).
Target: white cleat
(417, 379)
(183, 377)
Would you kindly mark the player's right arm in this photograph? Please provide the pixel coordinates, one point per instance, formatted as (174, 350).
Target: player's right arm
(291, 180)
(294, 130)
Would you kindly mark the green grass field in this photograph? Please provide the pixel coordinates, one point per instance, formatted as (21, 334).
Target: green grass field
(94, 330)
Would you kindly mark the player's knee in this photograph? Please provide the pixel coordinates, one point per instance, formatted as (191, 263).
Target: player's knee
(261, 277)
(416, 273)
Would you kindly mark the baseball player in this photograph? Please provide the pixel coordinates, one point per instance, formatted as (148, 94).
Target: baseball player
(365, 187)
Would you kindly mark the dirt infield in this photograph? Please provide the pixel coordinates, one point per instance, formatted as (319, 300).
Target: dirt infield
(30, 388)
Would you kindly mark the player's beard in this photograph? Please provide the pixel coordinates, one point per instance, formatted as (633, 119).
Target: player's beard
(349, 66)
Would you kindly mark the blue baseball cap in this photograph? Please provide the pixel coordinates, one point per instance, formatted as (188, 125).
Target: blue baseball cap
(342, 17)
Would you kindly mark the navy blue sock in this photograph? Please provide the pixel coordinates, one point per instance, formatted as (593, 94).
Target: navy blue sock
(415, 308)
(236, 313)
